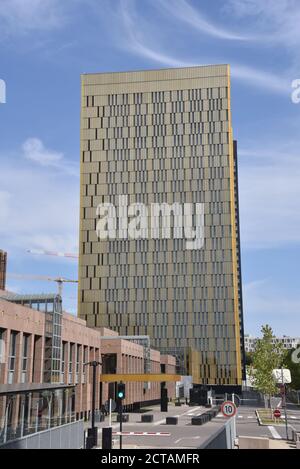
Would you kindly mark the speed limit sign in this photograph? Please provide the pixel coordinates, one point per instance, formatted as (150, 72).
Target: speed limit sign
(228, 409)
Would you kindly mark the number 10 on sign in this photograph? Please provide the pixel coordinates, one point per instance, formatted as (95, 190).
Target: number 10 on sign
(228, 409)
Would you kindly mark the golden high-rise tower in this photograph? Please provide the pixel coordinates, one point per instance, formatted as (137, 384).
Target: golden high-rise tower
(164, 136)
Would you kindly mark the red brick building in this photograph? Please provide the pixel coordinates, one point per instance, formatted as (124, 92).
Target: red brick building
(39, 343)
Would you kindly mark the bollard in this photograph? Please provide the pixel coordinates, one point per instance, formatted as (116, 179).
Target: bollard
(107, 438)
(147, 418)
(171, 420)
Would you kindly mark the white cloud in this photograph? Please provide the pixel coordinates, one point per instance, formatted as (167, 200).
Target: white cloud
(137, 43)
(269, 197)
(273, 22)
(261, 79)
(184, 11)
(19, 16)
(34, 150)
(39, 208)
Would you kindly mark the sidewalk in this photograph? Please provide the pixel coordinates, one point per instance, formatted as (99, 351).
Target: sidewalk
(281, 444)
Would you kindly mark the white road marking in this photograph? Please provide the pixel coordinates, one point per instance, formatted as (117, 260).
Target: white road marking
(274, 433)
(187, 438)
(159, 422)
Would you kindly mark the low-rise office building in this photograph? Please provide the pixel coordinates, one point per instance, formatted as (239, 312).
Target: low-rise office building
(287, 342)
(39, 343)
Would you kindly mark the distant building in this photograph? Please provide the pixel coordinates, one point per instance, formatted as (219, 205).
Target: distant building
(287, 342)
(3, 261)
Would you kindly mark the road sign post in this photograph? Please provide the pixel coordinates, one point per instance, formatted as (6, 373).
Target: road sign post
(229, 409)
(284, 404)
(110, 406)
(110, 412)
(93, 431)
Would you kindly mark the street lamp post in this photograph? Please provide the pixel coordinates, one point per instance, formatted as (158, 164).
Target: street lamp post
(93, 431)
(284, 404)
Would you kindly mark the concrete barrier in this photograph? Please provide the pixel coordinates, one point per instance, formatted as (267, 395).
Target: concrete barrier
(171, 420)
(147, 418)
(197, 420)
(205, 417)
(251, 442)
(125, 418)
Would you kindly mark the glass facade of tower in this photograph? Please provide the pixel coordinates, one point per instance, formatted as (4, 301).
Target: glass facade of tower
(164, 136)
(51, 306)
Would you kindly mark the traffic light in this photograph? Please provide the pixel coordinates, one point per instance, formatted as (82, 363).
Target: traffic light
(121, 391)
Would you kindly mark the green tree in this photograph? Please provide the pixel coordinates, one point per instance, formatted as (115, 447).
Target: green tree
(266, 357)
(249, 358)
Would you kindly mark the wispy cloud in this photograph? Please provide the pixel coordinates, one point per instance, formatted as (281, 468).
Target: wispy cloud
(21, 16)
(135, 38)
(34, 150)
(38, 208)
(261, 79)
(269, 196)
(253, 285)
(137, 42)
(184, 11)
(273, 21)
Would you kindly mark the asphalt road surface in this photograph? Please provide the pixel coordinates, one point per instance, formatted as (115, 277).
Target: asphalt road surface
(187, 436)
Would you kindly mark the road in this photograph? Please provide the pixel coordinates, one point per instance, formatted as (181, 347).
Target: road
(187, 436)
(184, 435)
(247, 424)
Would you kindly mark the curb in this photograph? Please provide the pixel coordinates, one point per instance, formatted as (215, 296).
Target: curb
(258, 418)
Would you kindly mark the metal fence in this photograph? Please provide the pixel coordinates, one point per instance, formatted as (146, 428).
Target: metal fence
(248, 398)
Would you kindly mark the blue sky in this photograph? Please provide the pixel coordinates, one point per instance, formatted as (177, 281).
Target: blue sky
(44, 47)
